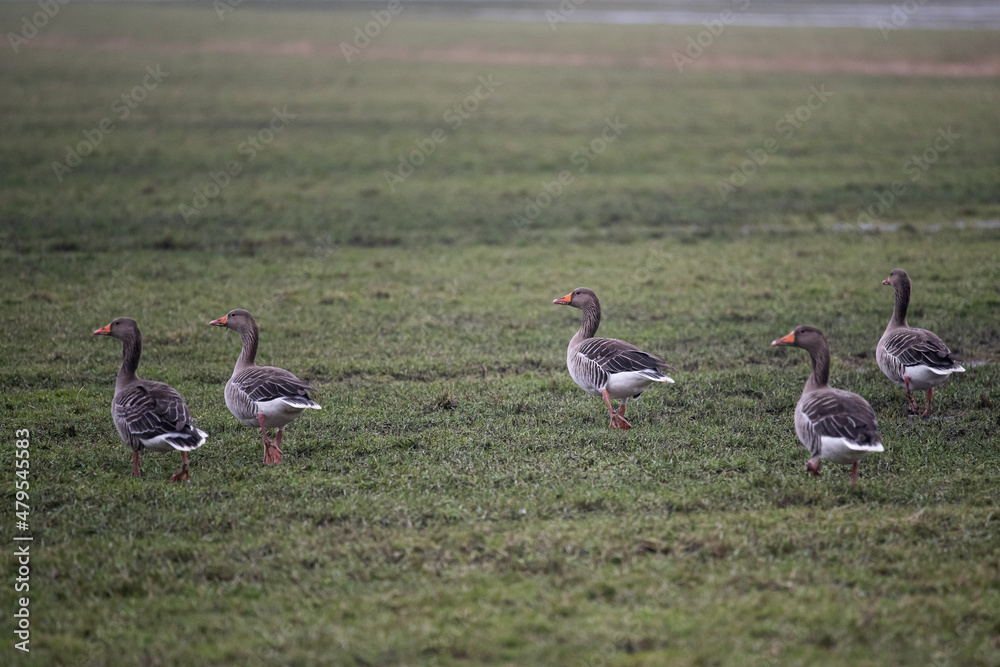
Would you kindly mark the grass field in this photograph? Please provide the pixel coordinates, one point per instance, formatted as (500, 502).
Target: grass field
(458, 498)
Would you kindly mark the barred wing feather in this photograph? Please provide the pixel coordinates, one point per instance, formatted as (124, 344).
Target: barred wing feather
(266, 383)
(842, 414)
(154, 412)
(919, 347)
(617, 356)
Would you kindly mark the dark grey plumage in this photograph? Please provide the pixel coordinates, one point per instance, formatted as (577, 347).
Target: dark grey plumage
(832, 424)
(837, 413)
(148, 414)
(910, 357)
(149, 410)
(263, 396)
(267, 383)
(611, 355)
(608, 367)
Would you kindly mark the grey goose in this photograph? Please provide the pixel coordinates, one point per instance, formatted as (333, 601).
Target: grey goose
(148, 415)
(915, 359)
(262, 396)
(833, 424)
(607, 367)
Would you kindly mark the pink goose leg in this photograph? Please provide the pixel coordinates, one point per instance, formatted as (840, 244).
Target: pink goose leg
(930, 393)
(617, 420)
(913, 402)
(267, 441)
(182, 474)
(276, 448)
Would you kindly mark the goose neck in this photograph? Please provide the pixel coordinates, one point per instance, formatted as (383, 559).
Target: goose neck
(131, 352)
(820, 376)
(248, 354)
(901, 305)
(590, 322)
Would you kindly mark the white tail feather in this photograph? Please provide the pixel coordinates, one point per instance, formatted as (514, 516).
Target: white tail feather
(184, 442)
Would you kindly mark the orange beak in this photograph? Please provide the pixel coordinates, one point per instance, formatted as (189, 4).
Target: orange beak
(103, 331)
(787, 340)
(885, 282)
(564, 301)
(221, 322)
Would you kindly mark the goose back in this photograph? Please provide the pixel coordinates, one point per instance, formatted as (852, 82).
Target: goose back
(836, 425)
(274, 392)
(918, 353)
(153, 415)
(623, 369)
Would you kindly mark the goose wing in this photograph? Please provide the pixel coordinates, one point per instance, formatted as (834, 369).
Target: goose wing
(841, 414)
(267, 383)
(617, 356)
(919, 347)
(152, 412)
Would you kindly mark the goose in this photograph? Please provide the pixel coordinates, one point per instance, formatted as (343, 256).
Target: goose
(608, 367)
(148, 415)
(262, 396)
(833, 424)
(910, 357)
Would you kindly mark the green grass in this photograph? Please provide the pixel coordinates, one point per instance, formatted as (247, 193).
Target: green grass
(458, 498)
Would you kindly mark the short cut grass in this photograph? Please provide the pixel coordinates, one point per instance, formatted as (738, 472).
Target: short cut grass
(458, 499)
